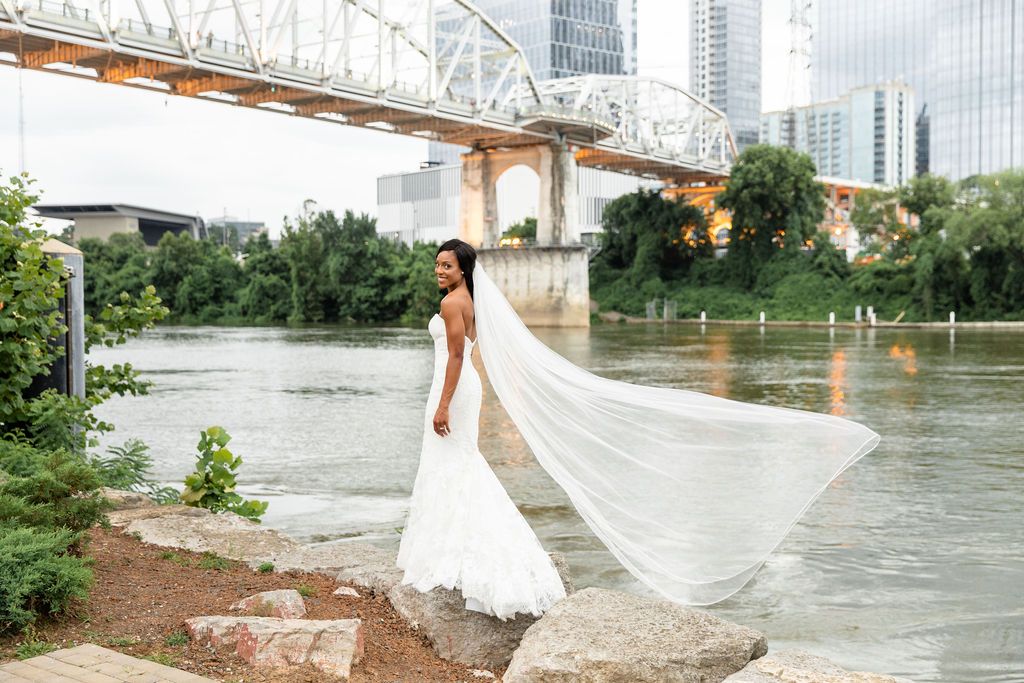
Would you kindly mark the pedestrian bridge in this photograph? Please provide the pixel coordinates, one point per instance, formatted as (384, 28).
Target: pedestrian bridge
(437, 69)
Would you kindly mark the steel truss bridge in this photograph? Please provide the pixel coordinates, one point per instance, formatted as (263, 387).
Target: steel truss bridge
(438, 69)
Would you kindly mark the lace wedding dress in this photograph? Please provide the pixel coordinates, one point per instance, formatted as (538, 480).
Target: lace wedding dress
(690, 492)
(463, 531)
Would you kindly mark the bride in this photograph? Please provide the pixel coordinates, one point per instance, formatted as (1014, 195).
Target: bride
(690, 492)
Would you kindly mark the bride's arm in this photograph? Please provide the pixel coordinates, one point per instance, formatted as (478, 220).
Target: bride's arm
(455, 331)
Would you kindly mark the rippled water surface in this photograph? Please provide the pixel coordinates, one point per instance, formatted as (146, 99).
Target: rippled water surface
(911, 564)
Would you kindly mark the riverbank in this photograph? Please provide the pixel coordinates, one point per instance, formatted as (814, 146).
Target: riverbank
(616, 317)
(170, 564)
(144, 592)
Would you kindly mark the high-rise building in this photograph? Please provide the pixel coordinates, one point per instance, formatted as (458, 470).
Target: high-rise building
(725, 62)
(963, 58)
(867, 134)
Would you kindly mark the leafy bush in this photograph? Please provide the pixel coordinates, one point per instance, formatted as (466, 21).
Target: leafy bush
(127, 468)
(37, 574)
(212, 485)
(60, 494)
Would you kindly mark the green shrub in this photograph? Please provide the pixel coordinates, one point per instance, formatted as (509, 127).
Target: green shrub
(61, 494)
(212, 486)
(127, 468)
(265, 568)
(37, 575)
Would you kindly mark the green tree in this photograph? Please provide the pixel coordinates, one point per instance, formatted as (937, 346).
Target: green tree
(118, 264)
(266, 297)
(303, 248)
(774, 201)
(526, 229)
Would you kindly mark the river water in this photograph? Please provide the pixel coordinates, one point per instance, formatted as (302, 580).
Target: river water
(911, 564)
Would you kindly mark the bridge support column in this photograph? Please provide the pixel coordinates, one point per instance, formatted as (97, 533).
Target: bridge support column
(547, 286)
(478, 213)
(558, 208)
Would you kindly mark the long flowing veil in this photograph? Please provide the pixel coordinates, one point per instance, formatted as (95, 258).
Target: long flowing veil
(689, 491)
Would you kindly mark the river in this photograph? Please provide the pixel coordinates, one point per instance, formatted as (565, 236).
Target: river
(911, 564)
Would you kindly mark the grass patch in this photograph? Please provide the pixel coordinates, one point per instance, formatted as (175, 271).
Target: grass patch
(174, 557)
(265, 568)
(123, 642)
(162, 658)
(304, 589)
(33, 647)
(211, 560)
(176, 639)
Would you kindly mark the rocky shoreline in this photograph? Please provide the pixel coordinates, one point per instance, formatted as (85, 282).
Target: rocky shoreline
(592, 635)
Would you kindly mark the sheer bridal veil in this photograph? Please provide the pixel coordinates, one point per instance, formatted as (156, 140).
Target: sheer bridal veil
(689, 491)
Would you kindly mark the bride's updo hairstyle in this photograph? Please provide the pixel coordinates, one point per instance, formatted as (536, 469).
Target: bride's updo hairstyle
(466, 256)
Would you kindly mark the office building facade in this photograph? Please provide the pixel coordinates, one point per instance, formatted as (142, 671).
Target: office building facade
(725, 62)
(963, 58)
(867, 134)
(423, 206)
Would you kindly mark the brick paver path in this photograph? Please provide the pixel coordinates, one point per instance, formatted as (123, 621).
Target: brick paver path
(93, 664)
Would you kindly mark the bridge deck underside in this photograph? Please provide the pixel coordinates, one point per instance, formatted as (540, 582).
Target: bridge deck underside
(178, 76)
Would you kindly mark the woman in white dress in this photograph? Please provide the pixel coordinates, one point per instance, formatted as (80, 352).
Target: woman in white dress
(463, 531)
(690, 492)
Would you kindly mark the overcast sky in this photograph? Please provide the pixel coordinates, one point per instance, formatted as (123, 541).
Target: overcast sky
(88, 142)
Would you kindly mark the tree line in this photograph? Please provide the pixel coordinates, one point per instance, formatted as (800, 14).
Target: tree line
(326, 269)
(966, 253)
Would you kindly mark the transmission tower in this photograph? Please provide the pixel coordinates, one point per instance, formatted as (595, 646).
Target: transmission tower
(798, 75)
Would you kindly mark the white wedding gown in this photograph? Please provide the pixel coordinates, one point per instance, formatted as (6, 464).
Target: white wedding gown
(463, 531)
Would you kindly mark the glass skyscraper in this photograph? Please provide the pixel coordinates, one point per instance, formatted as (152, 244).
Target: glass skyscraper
(725, 62)
(963, 58)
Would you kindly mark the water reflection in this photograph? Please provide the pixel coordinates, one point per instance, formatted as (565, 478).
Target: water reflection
(911, 564)
(837, 382)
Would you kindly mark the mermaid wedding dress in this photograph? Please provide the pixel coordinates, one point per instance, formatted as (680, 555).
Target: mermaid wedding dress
(690, 492)
(463, 530)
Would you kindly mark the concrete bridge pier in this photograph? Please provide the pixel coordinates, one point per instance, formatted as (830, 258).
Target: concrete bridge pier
(557, 203)
(548, 284)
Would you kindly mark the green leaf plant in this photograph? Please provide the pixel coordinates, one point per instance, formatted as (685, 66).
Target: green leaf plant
(212, 485)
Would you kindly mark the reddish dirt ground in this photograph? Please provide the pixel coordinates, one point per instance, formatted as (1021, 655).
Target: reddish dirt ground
(143, 593)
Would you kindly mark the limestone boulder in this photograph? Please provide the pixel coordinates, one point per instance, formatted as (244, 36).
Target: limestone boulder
(127, 500)
(196, 529)
(462, 635)
(331, 646)
(357, 563)
(797, 666)
(608, 636)
(283, 604)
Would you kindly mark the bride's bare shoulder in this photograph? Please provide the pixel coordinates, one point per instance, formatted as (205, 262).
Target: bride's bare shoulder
(456, 303)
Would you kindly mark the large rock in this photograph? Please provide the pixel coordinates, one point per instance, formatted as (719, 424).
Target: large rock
(358, 563)
(602, 635)
(283, 604)
(196, 529)
(797, 666)
(331, 646)
(126, 500)
(460, 634)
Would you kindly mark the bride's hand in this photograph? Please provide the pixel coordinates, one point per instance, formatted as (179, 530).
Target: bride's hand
(441, 422)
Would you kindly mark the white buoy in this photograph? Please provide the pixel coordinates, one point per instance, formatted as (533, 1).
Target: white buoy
(871, 317)
(871, 313)
(762, 316)
(952, 318)
(703, 316)
(857, 314)
(832, 318)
